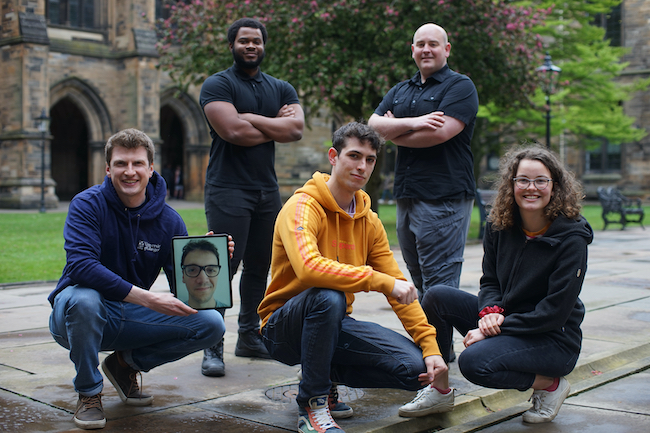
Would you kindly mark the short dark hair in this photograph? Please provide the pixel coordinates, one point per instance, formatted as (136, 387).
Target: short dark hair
(200, 245)
(130, 139)
(358, 130)
(245, 22)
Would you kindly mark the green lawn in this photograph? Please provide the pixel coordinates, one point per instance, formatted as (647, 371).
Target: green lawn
(31, 245)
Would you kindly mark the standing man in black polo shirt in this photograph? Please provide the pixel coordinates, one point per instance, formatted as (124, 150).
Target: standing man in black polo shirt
(431, 119)
(248, 111)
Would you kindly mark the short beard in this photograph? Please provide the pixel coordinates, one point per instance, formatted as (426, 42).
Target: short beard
(243, 64)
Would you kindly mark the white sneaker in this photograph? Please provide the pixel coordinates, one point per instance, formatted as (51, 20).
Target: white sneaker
(546, 405)
(428, 400)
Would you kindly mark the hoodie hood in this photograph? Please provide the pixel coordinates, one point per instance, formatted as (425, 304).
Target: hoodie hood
(562, 228)
(317, 188)
(156, 192)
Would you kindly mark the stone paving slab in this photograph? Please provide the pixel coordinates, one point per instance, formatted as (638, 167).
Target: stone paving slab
(36, 374)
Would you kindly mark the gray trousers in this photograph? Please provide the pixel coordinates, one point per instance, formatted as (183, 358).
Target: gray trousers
(432, 237)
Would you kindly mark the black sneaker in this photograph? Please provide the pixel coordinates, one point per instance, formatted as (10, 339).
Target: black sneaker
(338, 409)
(250, 345)
(316, 418)
(125, 381)
(212, 364)
(90, 413)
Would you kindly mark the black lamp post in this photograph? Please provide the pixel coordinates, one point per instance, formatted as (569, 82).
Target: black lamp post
(42, 123)
(550, 75)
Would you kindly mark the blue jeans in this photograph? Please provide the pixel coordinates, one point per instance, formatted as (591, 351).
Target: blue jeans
(312, 329)
(85, 323)
(432, 237)
(246, 215)
(503, 361)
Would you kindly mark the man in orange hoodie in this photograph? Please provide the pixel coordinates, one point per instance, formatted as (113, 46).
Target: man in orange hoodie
(329, 245)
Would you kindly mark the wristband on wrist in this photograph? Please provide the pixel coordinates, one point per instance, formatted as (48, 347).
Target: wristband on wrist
(489, 310)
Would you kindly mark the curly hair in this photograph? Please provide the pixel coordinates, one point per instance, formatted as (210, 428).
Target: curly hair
(567, 191)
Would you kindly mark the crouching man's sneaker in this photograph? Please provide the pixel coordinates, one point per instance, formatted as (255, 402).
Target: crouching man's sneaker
(316, 418)
(125, 381)
(546, 404)
(428, 400)
(90, 413)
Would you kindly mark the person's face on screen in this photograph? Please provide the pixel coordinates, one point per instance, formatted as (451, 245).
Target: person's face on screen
(197, 268)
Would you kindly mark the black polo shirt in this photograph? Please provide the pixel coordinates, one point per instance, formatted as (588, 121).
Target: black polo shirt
(445, 171)
(241, 167)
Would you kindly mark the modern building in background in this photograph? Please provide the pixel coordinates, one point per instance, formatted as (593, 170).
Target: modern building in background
(92, 66)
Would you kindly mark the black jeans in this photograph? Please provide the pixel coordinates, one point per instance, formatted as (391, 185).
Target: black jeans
(249, 216)
(503, 361)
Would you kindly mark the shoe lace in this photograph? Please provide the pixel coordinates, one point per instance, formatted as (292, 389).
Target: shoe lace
(333, 397)
(536, 399)
(323, 418)
(94, 401)
(134, 388)
(421, 393)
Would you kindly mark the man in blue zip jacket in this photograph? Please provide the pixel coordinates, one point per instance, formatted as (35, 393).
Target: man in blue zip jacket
(117, 238)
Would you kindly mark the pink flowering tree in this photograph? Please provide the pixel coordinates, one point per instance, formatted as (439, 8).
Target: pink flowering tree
(347, 54)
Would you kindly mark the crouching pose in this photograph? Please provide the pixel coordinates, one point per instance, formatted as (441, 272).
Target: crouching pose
(329, 246)
(118, 235)
(523, 329)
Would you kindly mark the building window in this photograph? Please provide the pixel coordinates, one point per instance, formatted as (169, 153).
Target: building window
(606, 158)
(611, 22)
(73, 13)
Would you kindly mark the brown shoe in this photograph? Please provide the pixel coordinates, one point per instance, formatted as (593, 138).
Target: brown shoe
(125, 381)
(90, 413)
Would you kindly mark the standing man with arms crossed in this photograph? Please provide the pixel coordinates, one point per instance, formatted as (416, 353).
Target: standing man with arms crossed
(328, 246)
(118, 236)
(431, 119)
(248, 111)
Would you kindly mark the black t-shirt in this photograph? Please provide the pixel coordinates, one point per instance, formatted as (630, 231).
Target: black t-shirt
(445, 171)
(241, 167)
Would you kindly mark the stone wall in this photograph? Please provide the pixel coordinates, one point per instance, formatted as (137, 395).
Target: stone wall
(636, 37)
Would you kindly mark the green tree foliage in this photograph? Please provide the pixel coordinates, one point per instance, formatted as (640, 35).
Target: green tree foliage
(588, 100)
(346, 54)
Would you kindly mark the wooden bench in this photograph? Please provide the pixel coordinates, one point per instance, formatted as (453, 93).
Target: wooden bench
(619, 209)
(484, 200)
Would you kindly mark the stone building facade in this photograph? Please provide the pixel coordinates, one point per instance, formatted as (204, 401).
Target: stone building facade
(91, 65)
(635, 157)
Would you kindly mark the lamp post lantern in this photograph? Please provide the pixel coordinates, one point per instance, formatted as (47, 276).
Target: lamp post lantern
(549, 74)
(42, 123)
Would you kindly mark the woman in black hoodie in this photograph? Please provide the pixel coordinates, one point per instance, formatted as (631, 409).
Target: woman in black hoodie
(522, 331)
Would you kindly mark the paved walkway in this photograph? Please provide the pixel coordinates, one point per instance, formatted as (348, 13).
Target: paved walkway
(609, 385)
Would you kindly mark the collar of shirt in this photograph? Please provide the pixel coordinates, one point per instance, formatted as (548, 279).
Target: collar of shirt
(439, 76)
(244, 76)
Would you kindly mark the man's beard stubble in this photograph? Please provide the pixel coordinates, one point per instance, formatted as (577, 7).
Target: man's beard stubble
(243, 64)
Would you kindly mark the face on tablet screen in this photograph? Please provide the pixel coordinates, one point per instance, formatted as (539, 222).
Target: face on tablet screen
(200, 276)
(201, 271)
